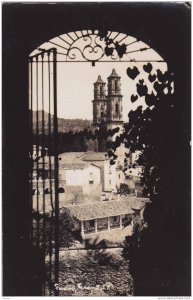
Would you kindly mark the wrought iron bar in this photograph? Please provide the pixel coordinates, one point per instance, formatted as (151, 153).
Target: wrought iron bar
(49, 132)
(141, 49)
(76, 34)
(122, 39)
(43, 172)
(104, 61)
(58, 45)
(70, 37)
(64, 40)
(56, 172)
(50, 176)
(31, 142)
(136, 41)
(115, 36)
(37, 151)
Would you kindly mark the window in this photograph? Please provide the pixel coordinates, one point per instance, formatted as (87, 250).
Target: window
(110, 171)
(101, 90)
(116, 86)
(91, 180)
(109, 181)
(117, 108)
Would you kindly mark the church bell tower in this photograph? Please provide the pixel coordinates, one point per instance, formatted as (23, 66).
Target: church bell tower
(114, 101)
(99, 103)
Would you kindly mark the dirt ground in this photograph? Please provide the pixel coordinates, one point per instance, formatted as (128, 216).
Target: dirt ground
(101, 272)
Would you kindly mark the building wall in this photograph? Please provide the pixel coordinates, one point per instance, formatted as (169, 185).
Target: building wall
(92, 192)
(109, 176)
(100, 164)
(83, 176)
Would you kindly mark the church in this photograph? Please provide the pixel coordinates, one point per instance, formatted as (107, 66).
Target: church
(107, 106)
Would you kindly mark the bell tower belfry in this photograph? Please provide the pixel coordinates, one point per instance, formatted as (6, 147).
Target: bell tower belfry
(107, 109)
(114, 101)
(99, 103)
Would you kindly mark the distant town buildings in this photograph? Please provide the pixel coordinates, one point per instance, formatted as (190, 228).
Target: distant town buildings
(90, 184)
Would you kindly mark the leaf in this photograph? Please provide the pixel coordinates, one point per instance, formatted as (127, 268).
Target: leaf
(134, 98)
(150, 99)
(163, 77)
(142, 90)
(148, 68)
(159, 87)
(132, 73)
(108, 51)
(152, 77)
(141, 81)
(121, 49)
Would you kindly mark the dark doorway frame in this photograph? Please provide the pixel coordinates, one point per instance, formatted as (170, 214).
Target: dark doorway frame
(163, 26)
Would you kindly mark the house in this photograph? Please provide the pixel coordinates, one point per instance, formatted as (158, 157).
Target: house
(75, 172)
(92, 220)
(111, 174)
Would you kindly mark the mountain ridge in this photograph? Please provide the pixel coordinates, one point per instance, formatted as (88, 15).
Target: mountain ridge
(64, 125)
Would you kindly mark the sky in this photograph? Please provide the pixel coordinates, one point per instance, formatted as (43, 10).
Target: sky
(75, 90)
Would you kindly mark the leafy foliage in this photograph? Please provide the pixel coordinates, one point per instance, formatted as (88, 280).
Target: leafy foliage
(153, 250)
(124, 189)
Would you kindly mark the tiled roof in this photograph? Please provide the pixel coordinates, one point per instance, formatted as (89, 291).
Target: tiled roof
(99, 210)
(71, 160)
(70, 156)
(94, 156)
(77, 165)
(74, 166)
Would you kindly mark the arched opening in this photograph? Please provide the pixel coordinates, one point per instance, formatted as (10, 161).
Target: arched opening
(163, 34)
(117, 108)
(68, 65)
(101, 91)
(116, 86)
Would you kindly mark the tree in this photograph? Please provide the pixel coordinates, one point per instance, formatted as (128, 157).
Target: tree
(124, 189)
(154, 251)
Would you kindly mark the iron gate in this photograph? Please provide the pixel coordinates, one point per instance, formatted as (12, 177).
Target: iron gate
(43, 156)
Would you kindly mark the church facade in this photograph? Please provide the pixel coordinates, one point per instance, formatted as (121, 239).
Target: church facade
(107, 103)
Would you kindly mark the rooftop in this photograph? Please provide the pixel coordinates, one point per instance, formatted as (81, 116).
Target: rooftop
(99, 80)
(114, 74)
(94, 156)
(77, 165)
(100, 210)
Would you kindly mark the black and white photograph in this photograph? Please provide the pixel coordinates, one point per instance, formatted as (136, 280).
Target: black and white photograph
(96, 149)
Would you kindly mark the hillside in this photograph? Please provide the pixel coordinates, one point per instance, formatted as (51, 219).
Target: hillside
(64, 125)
